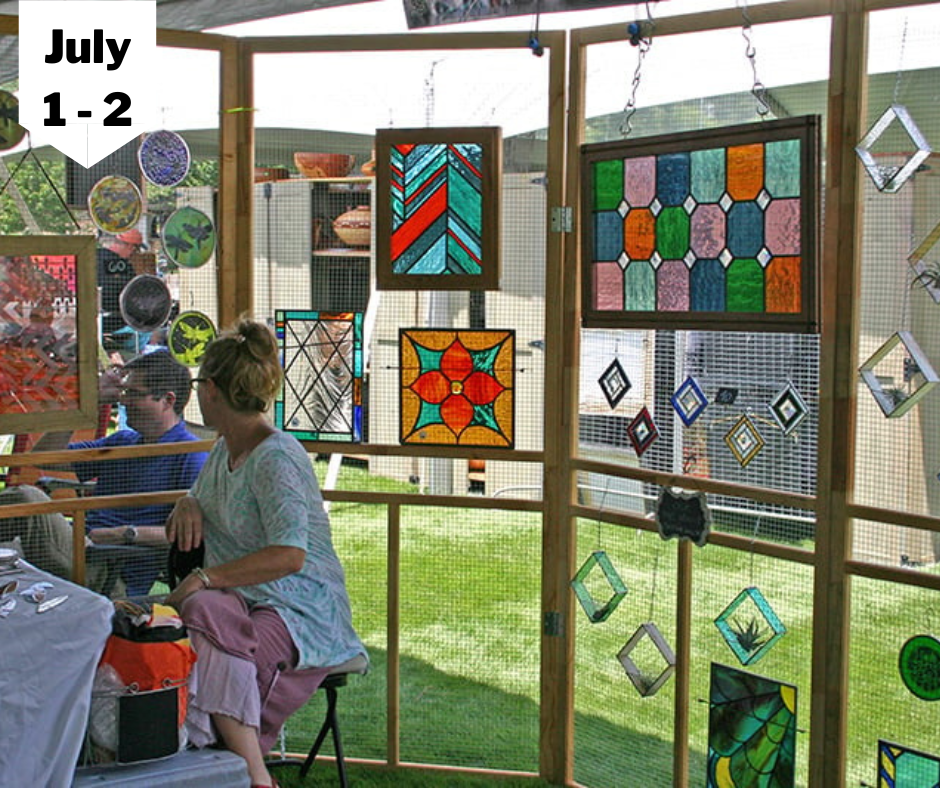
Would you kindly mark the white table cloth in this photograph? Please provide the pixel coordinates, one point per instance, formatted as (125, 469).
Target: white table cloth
(47, 665)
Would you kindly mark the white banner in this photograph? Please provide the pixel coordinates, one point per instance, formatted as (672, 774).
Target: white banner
(86, 82)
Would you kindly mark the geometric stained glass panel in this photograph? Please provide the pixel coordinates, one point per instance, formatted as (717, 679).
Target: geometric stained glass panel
(703, 230)
(750, 626)
(457, 387)
(437, 208)
(788, 408)
(751, 730)
(901, 767)
(321, 354)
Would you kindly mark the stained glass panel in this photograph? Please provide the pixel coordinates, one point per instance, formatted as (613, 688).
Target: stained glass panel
(614, 383)
(321, 353)
(744, 440)
(642, 431)
(751, 730)
(901, 767)
(711, 229)
(48, 379)
(750, 626)
(437, 208)
(457, 387)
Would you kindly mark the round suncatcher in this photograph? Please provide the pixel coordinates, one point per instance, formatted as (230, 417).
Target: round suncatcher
(188, 237)
(164, 158)
(189, 334)
(146, 303)
(114, 204)
(919, 665)
(11, 132)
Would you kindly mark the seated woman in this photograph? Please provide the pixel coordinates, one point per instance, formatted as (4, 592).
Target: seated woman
(272, 593)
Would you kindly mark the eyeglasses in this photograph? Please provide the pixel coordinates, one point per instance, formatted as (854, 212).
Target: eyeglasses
(194, 383)
(129, 393)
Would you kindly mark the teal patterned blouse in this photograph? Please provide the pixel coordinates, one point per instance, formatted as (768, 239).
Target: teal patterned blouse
(274, 499)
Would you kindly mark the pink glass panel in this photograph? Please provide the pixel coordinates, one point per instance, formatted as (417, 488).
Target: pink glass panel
(708, 231)
(608, 286)
(639, 180)
(782, 227)
(672, 286)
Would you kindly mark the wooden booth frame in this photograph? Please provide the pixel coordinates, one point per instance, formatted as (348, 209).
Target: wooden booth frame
(651, 225)
(388, 273)
(49, 379)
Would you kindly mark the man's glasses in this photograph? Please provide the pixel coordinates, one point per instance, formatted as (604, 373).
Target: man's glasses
(131, 393)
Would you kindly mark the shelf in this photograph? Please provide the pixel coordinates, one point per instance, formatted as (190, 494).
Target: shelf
(344, 179)
(342, 252)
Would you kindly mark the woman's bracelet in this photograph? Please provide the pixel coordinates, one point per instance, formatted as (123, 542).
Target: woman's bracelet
(203, 576)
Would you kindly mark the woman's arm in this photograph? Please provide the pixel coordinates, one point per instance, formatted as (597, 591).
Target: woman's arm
(262, 566)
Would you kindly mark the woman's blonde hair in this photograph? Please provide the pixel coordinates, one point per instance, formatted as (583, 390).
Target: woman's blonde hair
(243, 362)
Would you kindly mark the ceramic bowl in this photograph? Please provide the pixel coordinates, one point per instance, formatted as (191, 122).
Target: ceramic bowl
(354, 227)
(323, 165)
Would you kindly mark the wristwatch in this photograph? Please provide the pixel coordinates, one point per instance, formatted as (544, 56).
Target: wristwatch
(130, 535)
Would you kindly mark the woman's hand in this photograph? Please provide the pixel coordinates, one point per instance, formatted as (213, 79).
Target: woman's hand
(188, 586)
(184, 525)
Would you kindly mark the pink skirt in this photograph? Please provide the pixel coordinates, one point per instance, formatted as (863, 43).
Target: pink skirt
(244, 667)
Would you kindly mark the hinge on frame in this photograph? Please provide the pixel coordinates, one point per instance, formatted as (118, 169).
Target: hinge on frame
(562, 219)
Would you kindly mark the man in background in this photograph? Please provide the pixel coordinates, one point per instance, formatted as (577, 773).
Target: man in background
(154, 390)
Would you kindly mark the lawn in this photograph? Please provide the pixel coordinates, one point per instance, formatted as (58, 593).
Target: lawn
(469, 643)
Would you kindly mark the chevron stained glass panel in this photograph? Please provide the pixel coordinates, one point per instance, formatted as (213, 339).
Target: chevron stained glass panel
(321, 354)
(436, 208)
(711, 230)
(457, 387)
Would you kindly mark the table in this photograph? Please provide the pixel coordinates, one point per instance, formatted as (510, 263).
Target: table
(47, 665)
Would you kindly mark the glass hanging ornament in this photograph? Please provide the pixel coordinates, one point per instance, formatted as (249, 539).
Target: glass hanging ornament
(647, 672)
(598, 611)
(642, 431)
(899, 374)
(890, 178)
(919, 665)
(788, 408)
(614, 383)
(744, 440)
(689, 401)
(749, 626)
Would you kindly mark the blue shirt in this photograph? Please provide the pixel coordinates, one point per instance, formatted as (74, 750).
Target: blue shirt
(274, 499)
(138, 475)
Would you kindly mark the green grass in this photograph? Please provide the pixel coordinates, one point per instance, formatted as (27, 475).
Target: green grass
(469, 688)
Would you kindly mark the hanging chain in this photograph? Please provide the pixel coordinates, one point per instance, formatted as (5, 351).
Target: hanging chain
(758, 90)
(897, 79)
(642, 43)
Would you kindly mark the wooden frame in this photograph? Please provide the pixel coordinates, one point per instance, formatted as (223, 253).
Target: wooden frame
(642, 266)
(478, 250)
(49, 374)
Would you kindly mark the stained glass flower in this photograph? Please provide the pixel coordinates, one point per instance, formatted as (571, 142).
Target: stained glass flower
(457, 387)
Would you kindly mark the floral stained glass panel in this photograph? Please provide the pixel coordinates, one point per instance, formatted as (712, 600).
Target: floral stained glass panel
(457, 387)
(711, 229)
(321, 353)
(437, 208)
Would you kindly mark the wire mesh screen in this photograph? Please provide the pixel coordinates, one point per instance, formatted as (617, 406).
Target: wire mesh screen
(897, 310)
(143, 285)
(315, 237)
(880, 704)
(734, 375)
(619, 734)
(470, 583)
(719, 576)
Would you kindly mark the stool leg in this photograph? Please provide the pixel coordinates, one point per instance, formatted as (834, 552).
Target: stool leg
(328, 724)
(338, 748)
